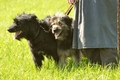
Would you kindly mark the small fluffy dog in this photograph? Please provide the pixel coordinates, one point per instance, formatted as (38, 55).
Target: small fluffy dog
(62, 29)
(37, 33)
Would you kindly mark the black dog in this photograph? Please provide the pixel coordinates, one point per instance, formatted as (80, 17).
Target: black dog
(37, 33)
(62, 29)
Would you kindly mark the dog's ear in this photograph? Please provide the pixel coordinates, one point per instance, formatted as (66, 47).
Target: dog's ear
(47, 19)
(44, 25)
(33, 17)
(68, 20)
(54, 18)
(15, 20)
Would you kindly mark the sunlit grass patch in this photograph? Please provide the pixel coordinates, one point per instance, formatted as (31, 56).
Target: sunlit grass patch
(16, 59)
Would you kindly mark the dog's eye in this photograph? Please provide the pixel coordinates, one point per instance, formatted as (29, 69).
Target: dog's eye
(18, 22)
(50, 26)
(60, 23)
(53, 24)
(15, 22)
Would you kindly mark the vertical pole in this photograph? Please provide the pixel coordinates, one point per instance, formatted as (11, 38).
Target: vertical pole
(118, 26)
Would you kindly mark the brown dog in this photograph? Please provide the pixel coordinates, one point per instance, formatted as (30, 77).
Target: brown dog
(63, 31)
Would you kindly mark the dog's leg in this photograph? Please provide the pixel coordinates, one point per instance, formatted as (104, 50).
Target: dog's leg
(56, 58)
(38, 59)
(76, 56)
(63, 58)
(63, 61)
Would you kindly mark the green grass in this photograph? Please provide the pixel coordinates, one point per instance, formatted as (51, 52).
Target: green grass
(15, 57)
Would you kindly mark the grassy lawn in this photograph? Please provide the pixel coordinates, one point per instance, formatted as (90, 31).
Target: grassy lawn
(15, 57)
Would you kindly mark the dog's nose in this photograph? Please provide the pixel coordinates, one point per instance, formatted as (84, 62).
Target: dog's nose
(56, 29)
(10, 30)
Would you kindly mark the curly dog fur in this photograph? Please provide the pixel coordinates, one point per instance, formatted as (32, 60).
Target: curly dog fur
(36, 32)
(62, 29)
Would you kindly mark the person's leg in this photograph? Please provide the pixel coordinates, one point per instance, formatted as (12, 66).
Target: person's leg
(102, 56)
(92, 54)
(109, 55)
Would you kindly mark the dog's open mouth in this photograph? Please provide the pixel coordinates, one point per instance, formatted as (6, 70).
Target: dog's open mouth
(57, 34)
(17, 34)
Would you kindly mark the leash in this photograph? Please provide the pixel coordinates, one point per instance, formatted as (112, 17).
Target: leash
(69, 10)
(70, 7)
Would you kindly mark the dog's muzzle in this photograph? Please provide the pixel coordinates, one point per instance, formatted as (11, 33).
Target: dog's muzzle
(12, 28)
(55, 29)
